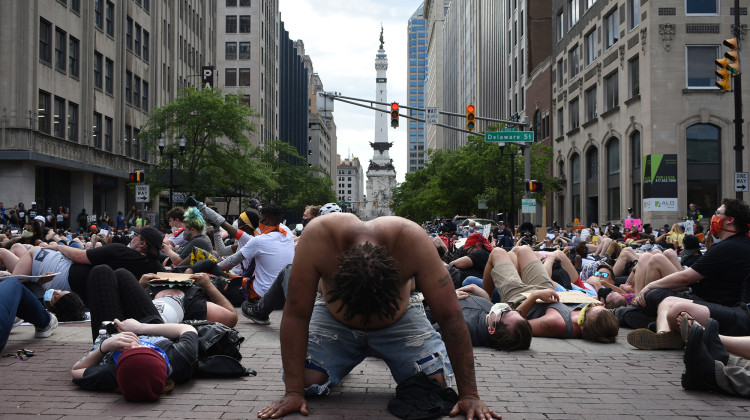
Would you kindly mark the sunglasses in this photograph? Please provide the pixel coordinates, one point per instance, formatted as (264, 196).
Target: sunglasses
(496, 315)
(601, 274)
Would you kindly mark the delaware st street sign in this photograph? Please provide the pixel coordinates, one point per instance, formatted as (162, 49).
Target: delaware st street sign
(511, 136)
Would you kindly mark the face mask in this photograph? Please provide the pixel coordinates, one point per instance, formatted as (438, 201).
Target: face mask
(304, 222)
(715, 225)
(174, 229)
(582, 316)
(48, 295)
(27, 234)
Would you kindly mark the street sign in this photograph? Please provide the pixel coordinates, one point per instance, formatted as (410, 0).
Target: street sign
(741, 182)
(513, 136)
(431, 115)
(528, 205)
(141, 193)
(482, 204)
(179, 197)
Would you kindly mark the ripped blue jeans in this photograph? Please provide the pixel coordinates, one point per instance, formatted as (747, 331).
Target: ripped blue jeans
(408, 346)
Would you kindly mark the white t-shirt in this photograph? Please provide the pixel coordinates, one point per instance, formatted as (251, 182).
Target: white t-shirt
(272, 252)
(49, 261)
(240, 268)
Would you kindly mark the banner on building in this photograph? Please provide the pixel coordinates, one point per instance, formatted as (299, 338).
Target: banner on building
(207, 80)
(660, 182)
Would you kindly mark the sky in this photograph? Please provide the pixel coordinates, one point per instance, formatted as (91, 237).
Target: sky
(342, 37)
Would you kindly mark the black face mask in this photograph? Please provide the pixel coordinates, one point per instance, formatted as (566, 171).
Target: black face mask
(304, 222)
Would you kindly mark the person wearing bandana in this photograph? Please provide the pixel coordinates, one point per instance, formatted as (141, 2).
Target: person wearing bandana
(476, 251)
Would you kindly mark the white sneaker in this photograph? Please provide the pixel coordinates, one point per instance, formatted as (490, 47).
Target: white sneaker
(47, 331)
(17, 322)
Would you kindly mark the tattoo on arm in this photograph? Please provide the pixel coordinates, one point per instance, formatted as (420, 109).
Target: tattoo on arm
(445, 281)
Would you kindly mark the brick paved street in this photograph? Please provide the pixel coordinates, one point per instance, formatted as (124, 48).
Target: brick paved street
(555, 379)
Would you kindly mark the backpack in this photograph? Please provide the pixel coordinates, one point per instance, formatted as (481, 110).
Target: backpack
(218, 351)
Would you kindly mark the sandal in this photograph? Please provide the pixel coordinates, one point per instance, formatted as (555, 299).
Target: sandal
(686, 321)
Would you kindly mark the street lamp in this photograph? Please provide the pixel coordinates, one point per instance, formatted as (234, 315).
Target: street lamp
(162, 144)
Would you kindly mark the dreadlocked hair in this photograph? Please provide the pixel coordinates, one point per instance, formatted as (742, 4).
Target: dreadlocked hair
(366, 283)
(193, 219)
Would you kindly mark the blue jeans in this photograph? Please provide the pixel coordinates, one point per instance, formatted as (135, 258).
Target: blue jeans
(476, 280)
(17, 300)
(408, 346)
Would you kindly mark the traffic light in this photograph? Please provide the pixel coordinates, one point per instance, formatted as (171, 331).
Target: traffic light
(470, 117)
(394, 114)
(533, 186)
(729, 65)
(137, 176)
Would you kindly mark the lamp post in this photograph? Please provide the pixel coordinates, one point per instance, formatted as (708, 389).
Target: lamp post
(162, 144)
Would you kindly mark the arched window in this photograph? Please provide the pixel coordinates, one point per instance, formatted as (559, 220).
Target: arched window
(575, 178)
(613, 178)
(592, 185)
(592, 166)
(635, 155)
(703, 166)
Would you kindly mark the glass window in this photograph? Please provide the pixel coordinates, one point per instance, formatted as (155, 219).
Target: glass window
(128, 86)
(590, 97)
(559, 73)
(244, 24)
(634, 14)
(73, 56)
(97, 130)
(592, 165)
(574, 12)
(43, 112)
(144, 98)
(98, 18)
(635, 148)
(129, 33)
(244, 77)
(108, 134)
(146, 39)
(230, 77)
(700, 66)
(59, 117)
(231, 3)
(575, 169)
(75, 5)
(610, 92)
(611, 34)
(574, 61)
(244, 50)
(560, 122)
(98, 62)
(72, 121)
(45, 41)
(613, 157)
(128, 139)
(634, 86)
(703, 143)
(613, 202)
(244, 3)
(591, 46)
(701, 7)
(137, 39)
(109, 71)
(61, 54)
(231, 51)
(589, 3)
(231, 24)
(110, 14)
(559, 26)
(573, 114)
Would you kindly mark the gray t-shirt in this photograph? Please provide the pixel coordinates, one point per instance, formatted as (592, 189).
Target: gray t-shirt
(49, 261)
(201, 241)
(475, 311)
(565, 309)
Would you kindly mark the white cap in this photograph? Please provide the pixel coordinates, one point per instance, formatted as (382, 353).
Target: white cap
(330, 208)
(169, 309)
(40, 218)
(33, 203)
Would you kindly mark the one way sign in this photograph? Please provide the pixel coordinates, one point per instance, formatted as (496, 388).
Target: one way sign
(741, 182)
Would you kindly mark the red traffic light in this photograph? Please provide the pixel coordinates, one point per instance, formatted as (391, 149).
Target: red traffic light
(470, 108)
(394, 106)
(394, 114)
(470, 117)
(533, 186)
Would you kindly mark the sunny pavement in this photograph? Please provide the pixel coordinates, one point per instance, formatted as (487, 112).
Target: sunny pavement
(555, 379)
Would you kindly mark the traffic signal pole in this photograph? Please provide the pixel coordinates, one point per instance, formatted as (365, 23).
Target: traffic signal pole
(738, 121)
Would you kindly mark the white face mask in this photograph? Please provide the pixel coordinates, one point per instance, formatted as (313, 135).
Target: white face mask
(495, 315)
(174, 229)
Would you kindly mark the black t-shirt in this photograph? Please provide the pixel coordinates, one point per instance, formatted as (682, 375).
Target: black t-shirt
(479, 260)
(475, 310)
(120, 256)
(181, 354)
(724, 266)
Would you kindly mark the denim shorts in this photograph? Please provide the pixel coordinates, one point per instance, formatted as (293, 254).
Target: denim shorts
(408, 346)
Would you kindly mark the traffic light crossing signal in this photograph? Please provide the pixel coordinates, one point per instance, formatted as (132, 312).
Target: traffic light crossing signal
(470, 117)
(533, 186)
(137, 176)
(729, 65)
(394, 114)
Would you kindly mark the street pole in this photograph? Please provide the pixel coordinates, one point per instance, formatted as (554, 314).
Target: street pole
(738, 121)
(171, 182)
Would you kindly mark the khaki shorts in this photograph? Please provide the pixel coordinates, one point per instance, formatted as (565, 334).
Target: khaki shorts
(511, 287)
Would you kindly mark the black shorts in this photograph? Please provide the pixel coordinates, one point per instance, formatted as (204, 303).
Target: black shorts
(733, 320)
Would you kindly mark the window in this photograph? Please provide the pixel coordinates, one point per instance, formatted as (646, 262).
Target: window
(98, 61)
(635, 150)
(61, 43)
(559, 26)
(72, 121)
(137, 39)
(128, 86)
(590, 3)
(610, 92)
(109, 71)
(244, 77)
(75, 5)
(613, 157)
(634, 14)
(136, 144)
(108, 134)
(144, 98)
(590, 98)
(45, 41)
(573, 12)
(231, 25)
(700, 66)
(73, 56)
(98, 6)
(574, 61)
(230, 77)
(244, 24)
(129, 33)
(560, 122)
(611, 34)
(591, 50)
(575, 176)
(559, 73)
(128, 139)
(244, 50)
(592, 166)
(146, 39)
(110, 17)
(59, 117)
(231, 3)
(703, 143)
(701, 7)
(231, 51)
(244, 3)
(137, 92)
(43, 112)
(97, 130)
(704, 164)
(573, 114)
(634, 85)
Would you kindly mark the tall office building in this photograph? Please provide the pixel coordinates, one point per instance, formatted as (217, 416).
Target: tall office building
(78, 79)
(350, 182)
(247, 46)
(417, 71)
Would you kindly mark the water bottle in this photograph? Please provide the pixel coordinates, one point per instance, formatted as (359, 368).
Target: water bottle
(104, 333)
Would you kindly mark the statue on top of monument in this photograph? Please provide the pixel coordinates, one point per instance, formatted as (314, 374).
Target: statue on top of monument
(381, 36)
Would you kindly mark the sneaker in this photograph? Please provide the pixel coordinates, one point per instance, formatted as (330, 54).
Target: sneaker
(699, 373)
(47, 331)
(250, 310)
(646, 339)
(17, 322)
(713, 343)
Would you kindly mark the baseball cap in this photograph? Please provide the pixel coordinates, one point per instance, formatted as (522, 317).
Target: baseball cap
(141, 374)
(33, 203)
(40, 218)
(330, 208)
(151, 235)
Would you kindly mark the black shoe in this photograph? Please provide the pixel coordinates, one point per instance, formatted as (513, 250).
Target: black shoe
(713, 343)
(699, 374)
(250, 310)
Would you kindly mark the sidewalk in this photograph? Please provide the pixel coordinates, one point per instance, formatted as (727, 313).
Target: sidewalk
(555, 379)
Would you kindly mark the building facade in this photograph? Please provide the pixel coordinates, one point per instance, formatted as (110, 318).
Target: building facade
(637, 120)
(416, 73)
(78, 80)
(350, 185)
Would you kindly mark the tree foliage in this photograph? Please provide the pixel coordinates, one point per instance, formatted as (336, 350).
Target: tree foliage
(452, 182)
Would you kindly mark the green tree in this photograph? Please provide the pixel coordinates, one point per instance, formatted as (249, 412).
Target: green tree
(218, 157)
